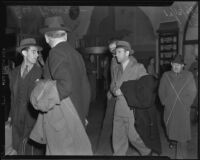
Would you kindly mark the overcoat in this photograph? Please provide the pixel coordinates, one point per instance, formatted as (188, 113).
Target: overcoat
(22, 113)
(140, 96)
(177, 93)
(65, 65)
(58, 126)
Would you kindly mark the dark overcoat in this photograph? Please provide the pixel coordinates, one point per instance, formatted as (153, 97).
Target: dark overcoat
(22, 113)
(140, 96)
(65, 65)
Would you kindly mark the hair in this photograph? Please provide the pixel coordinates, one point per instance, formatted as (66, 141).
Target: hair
(150, 58)
(112, 40)
(25, 48)
(56, 34)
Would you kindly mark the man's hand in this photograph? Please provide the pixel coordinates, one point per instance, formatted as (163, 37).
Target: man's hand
(118, 92)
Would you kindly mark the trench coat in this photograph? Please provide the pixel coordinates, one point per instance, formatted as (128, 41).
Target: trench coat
(140, 96)
(58, 125)
(65, 65)
(23, 115)
(177, 109)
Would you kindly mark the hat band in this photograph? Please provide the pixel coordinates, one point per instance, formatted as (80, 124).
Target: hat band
(55, 25)
(28, 44)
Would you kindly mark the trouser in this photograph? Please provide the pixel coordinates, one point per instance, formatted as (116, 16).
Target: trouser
(123, 132)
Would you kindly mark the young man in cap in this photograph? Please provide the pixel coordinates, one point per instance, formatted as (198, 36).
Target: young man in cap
(177, 91)
(123, 124)
(22, 81)
(66, 66)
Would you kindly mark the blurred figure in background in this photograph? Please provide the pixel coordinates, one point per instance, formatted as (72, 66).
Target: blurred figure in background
(194, 69)
(105, 141)
(151, 68)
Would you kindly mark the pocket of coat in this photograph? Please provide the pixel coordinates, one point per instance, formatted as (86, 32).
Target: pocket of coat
(57, 119)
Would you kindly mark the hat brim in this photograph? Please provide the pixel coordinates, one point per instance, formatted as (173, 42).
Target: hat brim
(44, 30)
(19, 49)
(178, 62)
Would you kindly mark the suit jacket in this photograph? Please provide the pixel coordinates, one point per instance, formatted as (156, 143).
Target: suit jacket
(140, 95)
(66, 66)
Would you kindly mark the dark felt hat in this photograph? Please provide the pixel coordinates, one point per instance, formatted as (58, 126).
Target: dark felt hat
(26, 43)
(53, 24)
(178, 59)
(124, 44)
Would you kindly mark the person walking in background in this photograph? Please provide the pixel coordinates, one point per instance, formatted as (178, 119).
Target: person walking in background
(124, 121)
(151, 68)
(194, 69)
(22, 115)
(177, 91)
(66, 103)
(105, 141)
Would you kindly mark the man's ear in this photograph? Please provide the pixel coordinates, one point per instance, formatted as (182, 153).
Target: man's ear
(46, 38)
(127, 53)
(24, 53)
(65, 36)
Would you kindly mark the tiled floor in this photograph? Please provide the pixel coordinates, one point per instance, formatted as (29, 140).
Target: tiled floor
(100, 141)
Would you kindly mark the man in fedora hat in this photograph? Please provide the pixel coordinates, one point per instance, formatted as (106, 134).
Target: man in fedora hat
(22, 81)
(66, 66)
(177, 91)
(123, 124)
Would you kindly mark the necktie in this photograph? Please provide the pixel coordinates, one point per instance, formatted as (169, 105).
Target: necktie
(25, 72)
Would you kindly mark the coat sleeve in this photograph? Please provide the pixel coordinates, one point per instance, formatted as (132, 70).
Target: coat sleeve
(86, 88)
(190, 91)
(59, 68)
(141, 71)
(162, 89)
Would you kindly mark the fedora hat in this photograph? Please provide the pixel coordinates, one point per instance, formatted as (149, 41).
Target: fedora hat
(26, 43)
(125, 45)
(54, 23)
(178, 59)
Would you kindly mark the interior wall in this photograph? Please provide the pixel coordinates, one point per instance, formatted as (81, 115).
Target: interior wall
(191, 51)
(126, 23)
(137, 25)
